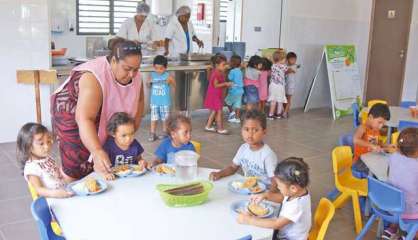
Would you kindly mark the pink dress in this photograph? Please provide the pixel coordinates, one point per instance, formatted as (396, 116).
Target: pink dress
(263, 85)
(213, 100)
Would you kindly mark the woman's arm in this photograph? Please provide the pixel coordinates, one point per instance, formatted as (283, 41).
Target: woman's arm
(166, 43)
(140, 112)
(36, 183)
(198, 41)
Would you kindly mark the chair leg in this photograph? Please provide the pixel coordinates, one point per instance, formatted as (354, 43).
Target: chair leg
(343, 198)
(366, 228)
(357, 213)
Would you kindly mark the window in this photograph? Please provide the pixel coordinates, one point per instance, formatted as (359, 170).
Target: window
(103, 17)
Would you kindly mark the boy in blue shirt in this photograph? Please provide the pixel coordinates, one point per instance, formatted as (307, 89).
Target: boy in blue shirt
(234, 97)
(160, 101)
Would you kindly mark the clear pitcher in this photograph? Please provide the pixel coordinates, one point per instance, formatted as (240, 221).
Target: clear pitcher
(186, 165)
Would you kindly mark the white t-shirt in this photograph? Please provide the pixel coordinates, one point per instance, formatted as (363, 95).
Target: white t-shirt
(47, 170)
(259, 163)
(129, 31)
(176, 34)
(298, 211)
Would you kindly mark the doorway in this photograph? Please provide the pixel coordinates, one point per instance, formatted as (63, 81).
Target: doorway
(390, 25)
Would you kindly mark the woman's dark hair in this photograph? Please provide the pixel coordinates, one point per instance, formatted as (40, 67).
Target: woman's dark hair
(408, 142)
(25, 139)
(255, 115)
(120, 48)
(174, 121)
(293, 171)
(254, 61)
(217, 59)
(117, 119)
(160, 60)
(291, 55)
(380, 110)
(235, 61)
(266, 64)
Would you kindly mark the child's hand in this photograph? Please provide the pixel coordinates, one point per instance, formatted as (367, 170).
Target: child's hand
(390, 148)
(229, 84)
(243, 217)
(109, 177)
(143, 163)
(62, 193)
(257, 198)
(214, 176)
(376, 148)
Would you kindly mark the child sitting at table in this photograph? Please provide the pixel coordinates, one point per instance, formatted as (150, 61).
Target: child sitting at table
(121, 145)
(366, 136)
(403, 174)
(179, 129)
(294, 221)
(34, 144)
(254, 157)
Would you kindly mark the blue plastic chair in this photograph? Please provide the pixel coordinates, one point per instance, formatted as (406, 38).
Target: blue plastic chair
(406, 124)
(248, 237)
(407, 104)
(388, 203)
(356, 112)
(346, 140)
(42, 216)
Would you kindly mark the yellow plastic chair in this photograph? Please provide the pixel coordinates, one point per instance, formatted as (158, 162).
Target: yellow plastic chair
(197, 146)
(54, 224)
(394, 138)
(347, 184)
(323, 215)
(374, 101)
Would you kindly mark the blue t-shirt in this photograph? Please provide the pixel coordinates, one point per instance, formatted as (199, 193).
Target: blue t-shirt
(118, 156)
(166, 148)
(235, 76)
(160, 89)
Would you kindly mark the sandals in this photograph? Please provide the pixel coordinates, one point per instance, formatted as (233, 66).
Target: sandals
(223, 132)
(210, 129)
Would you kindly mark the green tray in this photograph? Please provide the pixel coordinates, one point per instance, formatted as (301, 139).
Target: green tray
(184, 201)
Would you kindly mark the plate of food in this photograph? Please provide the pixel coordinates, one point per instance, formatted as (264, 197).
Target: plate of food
(261, 210)
(249, 185)
(122, 170)
(87, 186)
(165, 169)
(137, 170)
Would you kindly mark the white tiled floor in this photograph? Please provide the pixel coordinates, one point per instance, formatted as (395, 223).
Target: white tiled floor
(309, 135)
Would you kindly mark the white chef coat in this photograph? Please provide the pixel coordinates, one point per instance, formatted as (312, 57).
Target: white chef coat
(128, 30)
(177, 36)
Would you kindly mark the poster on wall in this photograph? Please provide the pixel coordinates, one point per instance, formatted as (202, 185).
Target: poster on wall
(343, 77)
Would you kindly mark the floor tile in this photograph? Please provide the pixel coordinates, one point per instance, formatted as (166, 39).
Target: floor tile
(26, 230)
(15, 210)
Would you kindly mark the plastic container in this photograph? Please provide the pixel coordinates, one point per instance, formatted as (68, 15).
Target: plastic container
(184, 201)
(186, 165)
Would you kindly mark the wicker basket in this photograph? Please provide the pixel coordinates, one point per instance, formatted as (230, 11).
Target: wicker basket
(184, 201)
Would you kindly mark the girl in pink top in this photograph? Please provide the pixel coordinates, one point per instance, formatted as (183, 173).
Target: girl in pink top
(214, 99)
(263, 82)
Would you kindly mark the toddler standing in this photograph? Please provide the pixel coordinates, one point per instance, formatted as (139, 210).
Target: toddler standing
(277, 95)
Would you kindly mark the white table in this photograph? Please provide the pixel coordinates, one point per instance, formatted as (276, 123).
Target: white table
(131, 208)
(378, 164)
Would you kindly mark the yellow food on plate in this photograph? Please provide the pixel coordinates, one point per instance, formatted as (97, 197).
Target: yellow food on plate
(257, 209)
(249, 182)
(138, 168)
(164, 169)
(256, 189)
(92, 185)
(121, 169)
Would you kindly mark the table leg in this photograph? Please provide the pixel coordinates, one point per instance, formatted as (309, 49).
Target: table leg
(389, 136)
(367, 207)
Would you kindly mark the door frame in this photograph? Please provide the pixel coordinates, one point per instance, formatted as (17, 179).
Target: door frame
(369, 49)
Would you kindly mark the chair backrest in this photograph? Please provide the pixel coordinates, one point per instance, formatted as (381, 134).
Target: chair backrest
(346, 140)
(407, 104)
(385, 197)
(32, 191)
(356, 112)
(197, 146)
(323, 215)
(374, 101)
(342, 158)
(42, 216)
(394, 138)
(405, 124)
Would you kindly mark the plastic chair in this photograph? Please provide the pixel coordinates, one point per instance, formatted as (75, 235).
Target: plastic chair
(374, 101)
(356, 112)
(323, 215)
(197, 146)
(248, 237)
(407, 104)
(388, 203)
(346, 140)
(42, 216)
(406, 124)
(32, 191)
(394, 138)
(347, 184)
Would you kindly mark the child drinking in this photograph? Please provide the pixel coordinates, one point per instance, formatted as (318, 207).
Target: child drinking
(254, 157)
(34, 144)
(290, 79)
(366, 136)
(263, 88)
(234, 97)
(294, 221)
(160, 101)
(179, 129)
(214, 100)
(121, 145)
(277, 95)
(252, 83)
(403, 174)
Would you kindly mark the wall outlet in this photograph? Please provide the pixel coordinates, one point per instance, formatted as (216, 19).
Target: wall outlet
(257, 29)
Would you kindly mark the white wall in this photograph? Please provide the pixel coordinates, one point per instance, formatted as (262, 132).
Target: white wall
(264, 14)
(309, 25)
(26, 25)
(410, 88)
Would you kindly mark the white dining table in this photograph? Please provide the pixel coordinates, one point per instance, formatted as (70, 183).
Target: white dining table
(131, 208)
(378, 164)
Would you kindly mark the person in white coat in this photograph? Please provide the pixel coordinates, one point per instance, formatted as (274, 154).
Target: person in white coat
(137, 28)
(180, 34)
